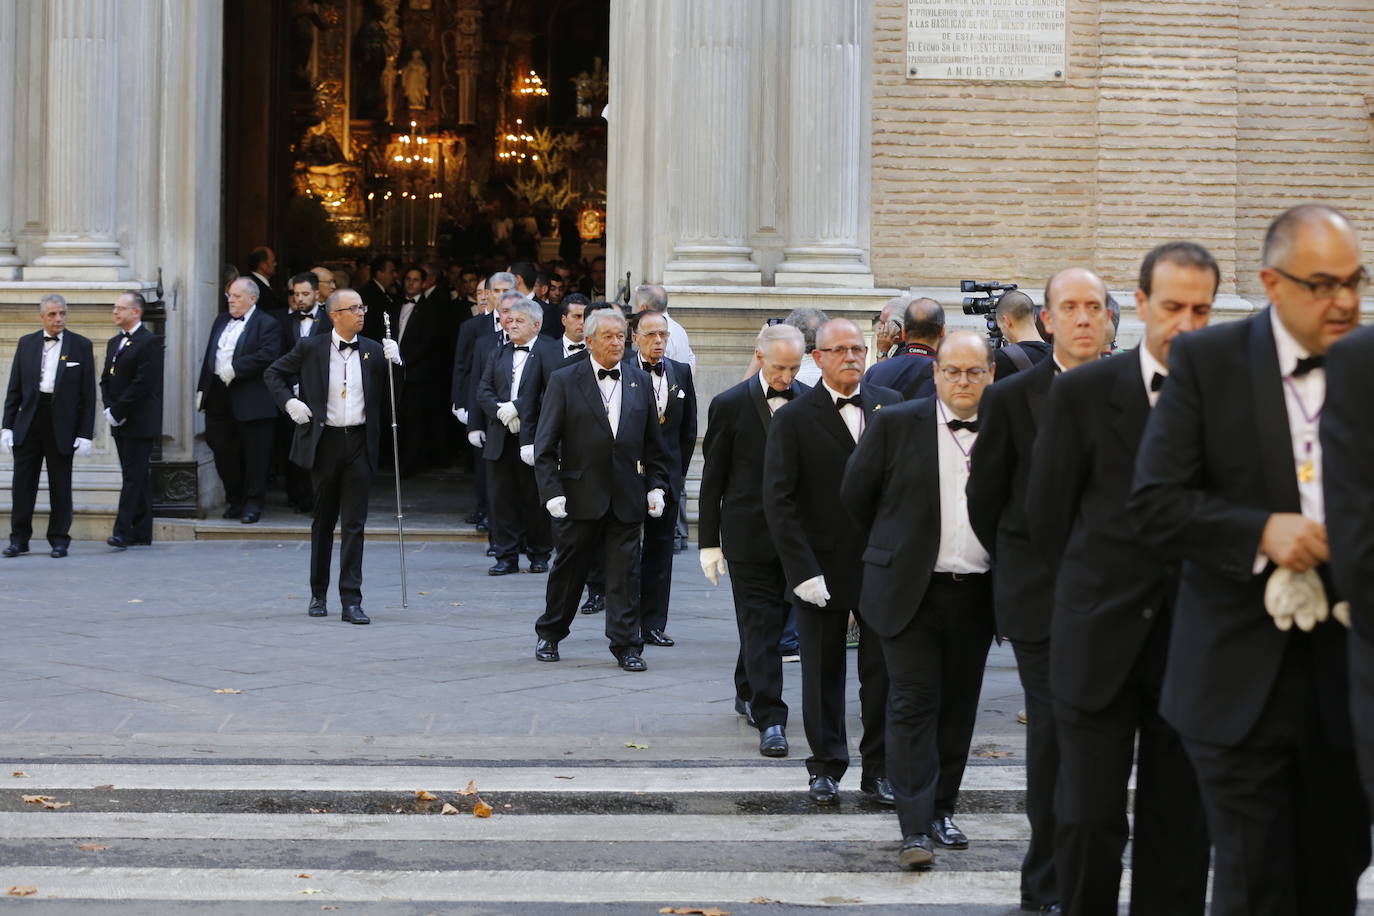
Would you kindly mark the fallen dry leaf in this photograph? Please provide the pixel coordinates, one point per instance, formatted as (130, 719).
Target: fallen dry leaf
(312, 890)
(91, 847)
(696, 911)
(761, 900)
(507, 806)
(481, 809)
(471, 789)
(319, 810)
(448, 809)
(424, 593)
(35, 799)
(993, 754)
(565, 777)
(422, 795)
(20, 774)
(54, 805)
(328, 907)
(108, 787)
(638, 747)
(302, 875)
(228, 690)
(19, 891)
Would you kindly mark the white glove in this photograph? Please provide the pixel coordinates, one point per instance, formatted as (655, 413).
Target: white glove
(109, 418)
(477, 438)
(82, 446)
(6, 440)
(461, 413)
(391, 350)
(712, 563)
(505, 412)
(527, 454)
(514, 426)
(558, 507)
(813, 591)
(227, 375)
(656, 503)
(200, 396)
(298, 411)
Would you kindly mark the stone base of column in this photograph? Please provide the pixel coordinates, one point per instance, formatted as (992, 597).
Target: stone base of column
(79, 259)
(703, 265)
(842, 267)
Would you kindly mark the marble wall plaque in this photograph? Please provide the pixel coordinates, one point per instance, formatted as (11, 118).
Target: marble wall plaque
(987, 40)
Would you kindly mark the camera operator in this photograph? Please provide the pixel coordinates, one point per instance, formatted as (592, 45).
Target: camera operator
(1025, 347)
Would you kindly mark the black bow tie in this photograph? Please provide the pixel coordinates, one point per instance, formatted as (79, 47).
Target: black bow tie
(580, 346)
(53, 339)
(347, 345)
(655, 368)
(409, 301)
(970, 425)
(526, 349)
(126, 335)
(786, 394)
(240, 318)
(301, 316)
(857, 401)
(608, 373)
(1157, 381)
(1307, 364)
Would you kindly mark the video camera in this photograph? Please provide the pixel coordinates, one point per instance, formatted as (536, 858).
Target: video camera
(986, 304)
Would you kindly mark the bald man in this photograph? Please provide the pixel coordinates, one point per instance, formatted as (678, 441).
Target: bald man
(911, 369)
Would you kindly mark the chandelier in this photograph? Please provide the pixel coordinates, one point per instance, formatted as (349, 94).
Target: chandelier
(530, 85)
(512, 145)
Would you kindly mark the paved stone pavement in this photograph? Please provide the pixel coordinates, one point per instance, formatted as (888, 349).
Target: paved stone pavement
(121, 654)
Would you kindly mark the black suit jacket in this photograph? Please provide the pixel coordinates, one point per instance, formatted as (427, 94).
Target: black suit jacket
(577, 457)
(891, 491)
(131, 384)
(257, 348)
(378, 302)
(494, 389)
(291, 328)
(803, 466)
(268, 299)
(913, 374)
(466, 368)
(1215, 462)
(483, 352)
(1007, 418)
(730, 502)
(307, 365)
(73, 390)
(679, 426)
(1347, 437)
(1111, 589)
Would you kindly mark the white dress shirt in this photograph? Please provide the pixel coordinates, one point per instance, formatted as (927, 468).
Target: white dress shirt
(678, 348)
(810, 373)
(125, 342)
(1149, 368)
(610, 395)
(307, 324)
(852, 416)
(660, 386)
(52, 352)
(773, 399)
(403, 318)
(518, 358)
(229, 338)
(960, 550)
(568, 346)
(1304, 398)
(345, 401)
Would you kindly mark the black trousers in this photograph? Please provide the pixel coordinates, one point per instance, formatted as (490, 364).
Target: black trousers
(617, 543)
(656, 568)
(416, 433)
(342, 478)
(243, 456)
(824, 666)
(935, 666)
(517, 516)
(1287, 815)
(39, 447)
(134, 518)
(1038, 882)
(300, 493)
(760, 613)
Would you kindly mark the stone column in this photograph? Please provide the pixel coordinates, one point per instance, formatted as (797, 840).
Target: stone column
(8, 261)
(828, 148)
(82, 113)
(709, 191)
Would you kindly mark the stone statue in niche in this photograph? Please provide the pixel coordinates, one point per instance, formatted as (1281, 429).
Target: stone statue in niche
(415, 81)
(306, 20)
(369, 62)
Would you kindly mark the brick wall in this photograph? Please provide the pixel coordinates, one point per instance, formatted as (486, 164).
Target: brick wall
(1177, 120)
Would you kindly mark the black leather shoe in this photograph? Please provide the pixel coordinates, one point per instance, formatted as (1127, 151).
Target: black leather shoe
(58, 553)
(250, 518)
(595, 603)
(916, 851)
(233, 512)
(742, 708)
(472, 518)
(117, 542)
(947, 833)
(773, 742)
(1041, 907)
(878, 789)
(631, 661)
(317, 608)
(13, 550)
(539, 566)
(824, 790)
(658, 638)
(503, 568)
(353, 613)
(484, 525)
(546, 650)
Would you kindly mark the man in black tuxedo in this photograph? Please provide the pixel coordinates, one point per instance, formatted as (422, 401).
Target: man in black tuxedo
(262, 265)
(1113, 610)
(675, 398)
(508, 400)
(731, 525)
(306, 315)
(466, 371)
(926, 590)
(821, 551)
(911, 369)
(1023, 588)
(331, 386)
(239, 412)
(600, 461)
(131, 390)
(49, 417)
(378, 298)
(1229, 483)
(573, 311)
(417, 327)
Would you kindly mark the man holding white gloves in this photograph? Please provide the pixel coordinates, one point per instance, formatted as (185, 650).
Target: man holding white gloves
(600, 462)
(338, 417)
(508, 396)
(49, 416)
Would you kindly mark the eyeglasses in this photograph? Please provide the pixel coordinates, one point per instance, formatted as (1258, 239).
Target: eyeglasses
(1328, 288)
(844, 351)
(975, 375)
(355, 309)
